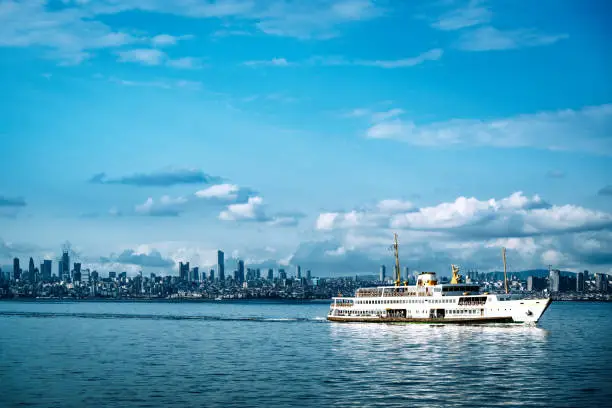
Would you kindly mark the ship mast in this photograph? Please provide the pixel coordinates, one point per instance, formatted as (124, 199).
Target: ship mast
(397, 263)
(505, 277)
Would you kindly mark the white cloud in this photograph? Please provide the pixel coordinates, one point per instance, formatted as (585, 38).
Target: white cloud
(431, 55)
(515, 216)
(166, 206)
(395, 206)
(274, 62)
(474, 13)
(67, 33)
(586, 129)
(162, 84)
(490, 38)
(71, 31)
(163, 40)
(185, 63)
(315, 19)
(145, 56)
(221, 191)
(254, 210)
(251, 210)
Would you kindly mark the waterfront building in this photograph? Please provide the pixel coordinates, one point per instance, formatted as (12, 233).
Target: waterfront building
(298, 272)
(211, 275)
(535, 284)
(308, 274)
(270, 274)
(383, 273)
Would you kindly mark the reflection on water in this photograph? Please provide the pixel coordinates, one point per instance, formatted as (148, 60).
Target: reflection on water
(282, 354)
(437, 364)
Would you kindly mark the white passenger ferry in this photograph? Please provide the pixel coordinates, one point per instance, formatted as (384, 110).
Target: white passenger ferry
(431, 302)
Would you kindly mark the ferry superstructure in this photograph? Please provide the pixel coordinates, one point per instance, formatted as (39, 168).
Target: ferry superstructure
(431, 302)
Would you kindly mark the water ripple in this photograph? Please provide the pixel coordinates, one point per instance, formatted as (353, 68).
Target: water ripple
(176, 355)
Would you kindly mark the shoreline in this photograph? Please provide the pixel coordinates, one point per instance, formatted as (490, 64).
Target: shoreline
(164, 300)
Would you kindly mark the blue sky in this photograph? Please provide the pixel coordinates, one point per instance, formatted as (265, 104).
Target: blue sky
(281, 130)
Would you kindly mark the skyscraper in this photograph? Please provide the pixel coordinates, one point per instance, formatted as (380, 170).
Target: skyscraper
(240, 271)
(77, 269)
(406, 273)
(65, 274)
(184, 271)
(31, 271)
(298, 272)
(383, 273)
(195, 274)
(270, 274)
(16, 269)
(46, 270)
(221, 265)
(308, 274)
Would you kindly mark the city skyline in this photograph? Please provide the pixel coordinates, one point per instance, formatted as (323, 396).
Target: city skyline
(306, 134)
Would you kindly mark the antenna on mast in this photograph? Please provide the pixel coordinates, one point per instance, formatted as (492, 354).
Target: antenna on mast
(505, 276)
(397, 263)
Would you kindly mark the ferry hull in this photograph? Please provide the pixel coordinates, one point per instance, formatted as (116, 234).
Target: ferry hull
(481, 320)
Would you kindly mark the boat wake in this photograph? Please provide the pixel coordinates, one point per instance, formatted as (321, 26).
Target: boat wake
(161, 317)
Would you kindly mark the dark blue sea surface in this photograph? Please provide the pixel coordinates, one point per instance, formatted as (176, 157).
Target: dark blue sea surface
(273, 354)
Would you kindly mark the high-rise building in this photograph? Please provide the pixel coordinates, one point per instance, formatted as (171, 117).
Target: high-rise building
(586, 275)
(65, 274)
(77, 269)
(240, 271)
(406, 273)
(580, 282)
(195, 274)
(270, 274)
(258, 273)
(601, 282)
(112, 275)
(282, 274)
(31, 271)
(184, 271)
(221, 265)
(308, 274)
(46, 270)
(16, 269)
(383, 273)
(211, 275)
(298, 272)
(554, 280)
